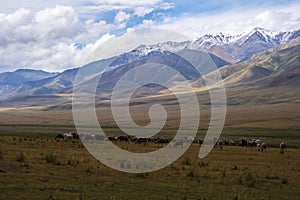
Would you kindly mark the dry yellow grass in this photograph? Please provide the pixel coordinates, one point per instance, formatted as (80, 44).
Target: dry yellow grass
(41, 168)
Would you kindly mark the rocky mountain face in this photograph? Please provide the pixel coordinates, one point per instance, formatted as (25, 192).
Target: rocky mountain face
(276, 67)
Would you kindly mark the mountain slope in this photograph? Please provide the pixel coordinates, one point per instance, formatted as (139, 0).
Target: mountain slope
(273, 68)
(9, 81)
(231, 48)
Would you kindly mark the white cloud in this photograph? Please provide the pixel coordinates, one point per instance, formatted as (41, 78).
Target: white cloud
(235, 22)
(147, 23)
(58, 22)
(19, 17)
(47, 39)
(274, 20)
(127, 2)
(166, 6)
(142, 11)
(138, 7)
(122, 16)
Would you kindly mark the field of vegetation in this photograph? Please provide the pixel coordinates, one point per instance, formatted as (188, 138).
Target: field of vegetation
(33, 165)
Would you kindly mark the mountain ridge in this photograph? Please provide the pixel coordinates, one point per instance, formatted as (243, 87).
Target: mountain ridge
(258, 39)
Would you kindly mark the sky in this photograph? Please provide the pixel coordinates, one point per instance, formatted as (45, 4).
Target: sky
(59, 34)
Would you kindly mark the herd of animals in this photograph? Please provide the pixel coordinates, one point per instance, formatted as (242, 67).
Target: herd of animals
(218, 143)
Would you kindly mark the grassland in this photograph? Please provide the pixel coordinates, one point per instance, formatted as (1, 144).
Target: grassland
(35, 166)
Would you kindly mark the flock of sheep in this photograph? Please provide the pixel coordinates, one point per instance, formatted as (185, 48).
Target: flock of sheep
(218, 143)
(261, 146)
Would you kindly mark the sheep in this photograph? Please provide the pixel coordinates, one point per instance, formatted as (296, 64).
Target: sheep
(283, 147)
(262, 147)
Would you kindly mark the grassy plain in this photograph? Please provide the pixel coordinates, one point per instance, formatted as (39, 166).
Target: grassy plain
(35, 166)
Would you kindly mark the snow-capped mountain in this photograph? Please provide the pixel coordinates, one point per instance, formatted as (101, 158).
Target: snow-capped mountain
(229, 47)
(222, 48)
(256, 34)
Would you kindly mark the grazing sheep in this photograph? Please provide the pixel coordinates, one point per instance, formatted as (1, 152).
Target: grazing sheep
(283, 147)
(200, 141)
(178, 143)
(112, 138)
(244, 142)
(64, 136)
(219, 144)
(75, 136)
(232, 143)
(262, 147)
(162, 141)
(59, 136)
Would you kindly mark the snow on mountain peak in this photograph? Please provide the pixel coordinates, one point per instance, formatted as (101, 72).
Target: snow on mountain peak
(258, 34)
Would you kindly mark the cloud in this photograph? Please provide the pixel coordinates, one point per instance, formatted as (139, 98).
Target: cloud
(58, 22)
(128, 3)
(274, 20)
(137, 7)
(122, 16)
(234, 21)
(60, 37)
(48, 39)
(15, 27)
(142, 11)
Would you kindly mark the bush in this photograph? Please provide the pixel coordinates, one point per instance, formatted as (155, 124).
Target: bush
(224, 173)
(284, 181)
(252, 180)
(142, 175)
(187, 161)
(203, 164)
(52, 158)
(192, 173)
(1, 156)
(72, 161)
(272, 177)
(21, 157)
(248, 180)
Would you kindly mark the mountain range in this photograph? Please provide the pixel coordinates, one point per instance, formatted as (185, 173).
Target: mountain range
(262, 58)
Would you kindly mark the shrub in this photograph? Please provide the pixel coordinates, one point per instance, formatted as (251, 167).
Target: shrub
(1, 156)
(142, 175)
(72, 161)
(248, 180)
(251, 180)
(272, 177)
(284, 181)
(224, 173)
(89, 170)
(187, 161)
(52, 158)
(192, 173)
(203, 164)
(21, 157)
